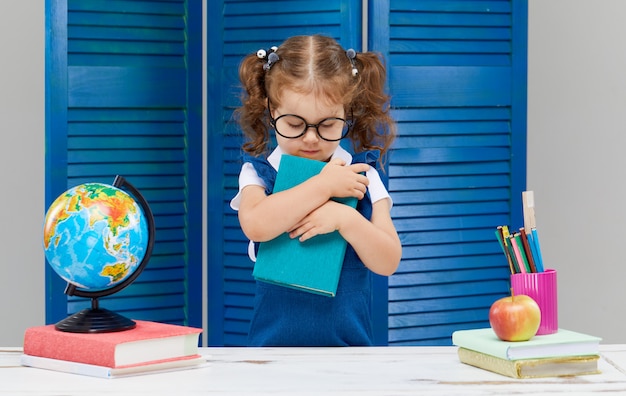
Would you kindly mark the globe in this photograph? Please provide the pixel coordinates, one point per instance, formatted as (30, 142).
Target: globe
(97, 238)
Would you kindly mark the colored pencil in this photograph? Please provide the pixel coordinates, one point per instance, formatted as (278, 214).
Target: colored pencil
(527, 250)
(502, 242)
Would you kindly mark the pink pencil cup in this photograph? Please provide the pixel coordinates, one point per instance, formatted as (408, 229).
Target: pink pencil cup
(541, 287)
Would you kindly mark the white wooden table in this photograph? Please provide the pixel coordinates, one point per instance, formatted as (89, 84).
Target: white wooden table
(314, 371)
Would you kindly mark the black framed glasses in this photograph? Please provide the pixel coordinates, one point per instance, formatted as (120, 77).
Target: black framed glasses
(292, 126)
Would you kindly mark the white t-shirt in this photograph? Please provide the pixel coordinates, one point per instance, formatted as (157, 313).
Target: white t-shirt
(248, 176)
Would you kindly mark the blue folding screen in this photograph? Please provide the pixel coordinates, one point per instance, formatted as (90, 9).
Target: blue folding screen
(123, 96)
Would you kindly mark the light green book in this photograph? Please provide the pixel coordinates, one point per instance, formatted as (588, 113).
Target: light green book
(562, 343)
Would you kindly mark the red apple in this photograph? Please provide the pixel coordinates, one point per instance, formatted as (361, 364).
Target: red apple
(515, 318)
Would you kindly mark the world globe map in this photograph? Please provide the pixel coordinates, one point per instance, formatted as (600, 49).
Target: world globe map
(95, 236)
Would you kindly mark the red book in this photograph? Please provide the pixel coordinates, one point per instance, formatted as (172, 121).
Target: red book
(147, 342)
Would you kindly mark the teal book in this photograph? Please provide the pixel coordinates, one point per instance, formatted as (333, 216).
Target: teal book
(560, 344)
(314, 265)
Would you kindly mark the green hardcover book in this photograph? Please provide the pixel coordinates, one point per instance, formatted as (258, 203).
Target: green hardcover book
(314, 265)
(562, 343)
(532, 368)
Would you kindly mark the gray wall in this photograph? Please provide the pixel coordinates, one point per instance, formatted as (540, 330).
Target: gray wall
(22, 163)
(576, 161)
(576, 135)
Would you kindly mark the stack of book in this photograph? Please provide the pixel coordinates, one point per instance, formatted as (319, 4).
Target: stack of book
(564, 353)
(148, 348)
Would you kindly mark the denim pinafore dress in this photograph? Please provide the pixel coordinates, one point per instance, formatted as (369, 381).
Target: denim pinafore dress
(289, 317)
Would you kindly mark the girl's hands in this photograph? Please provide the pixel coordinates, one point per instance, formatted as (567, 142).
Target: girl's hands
(344, 181)
(323, 220)
(376, 241)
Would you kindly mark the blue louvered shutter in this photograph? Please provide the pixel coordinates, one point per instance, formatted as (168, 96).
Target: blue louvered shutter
(245, 27)
(124, 97)
(457, 75)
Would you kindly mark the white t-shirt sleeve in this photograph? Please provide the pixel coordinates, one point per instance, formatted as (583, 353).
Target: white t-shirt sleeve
(376, 187)
(247, 177)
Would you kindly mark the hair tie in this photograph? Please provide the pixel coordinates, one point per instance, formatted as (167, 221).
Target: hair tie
(351, 54)
(269, 59)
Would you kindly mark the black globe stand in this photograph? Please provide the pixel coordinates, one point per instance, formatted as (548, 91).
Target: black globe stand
(96, 319)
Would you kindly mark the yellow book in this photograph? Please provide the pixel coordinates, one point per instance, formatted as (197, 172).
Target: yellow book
(532, 368)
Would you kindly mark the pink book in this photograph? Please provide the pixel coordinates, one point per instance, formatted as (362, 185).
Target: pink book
(147, 342)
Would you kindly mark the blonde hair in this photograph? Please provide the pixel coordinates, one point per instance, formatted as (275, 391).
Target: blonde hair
(317, 64)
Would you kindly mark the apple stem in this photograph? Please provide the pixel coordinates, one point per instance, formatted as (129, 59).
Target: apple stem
(512, 295)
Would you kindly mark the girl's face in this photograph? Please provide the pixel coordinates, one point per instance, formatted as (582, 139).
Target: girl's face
(312, 109)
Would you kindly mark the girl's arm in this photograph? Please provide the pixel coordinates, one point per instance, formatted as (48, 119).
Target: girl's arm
(264, 217)
(376, 241)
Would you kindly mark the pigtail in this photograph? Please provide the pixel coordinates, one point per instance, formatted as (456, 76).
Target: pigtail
(374, 129)
(252, 113)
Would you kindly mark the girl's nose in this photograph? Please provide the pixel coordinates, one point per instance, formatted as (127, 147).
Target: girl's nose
(310, 135)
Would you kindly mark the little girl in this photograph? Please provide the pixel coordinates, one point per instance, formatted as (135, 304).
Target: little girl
(312, 94)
